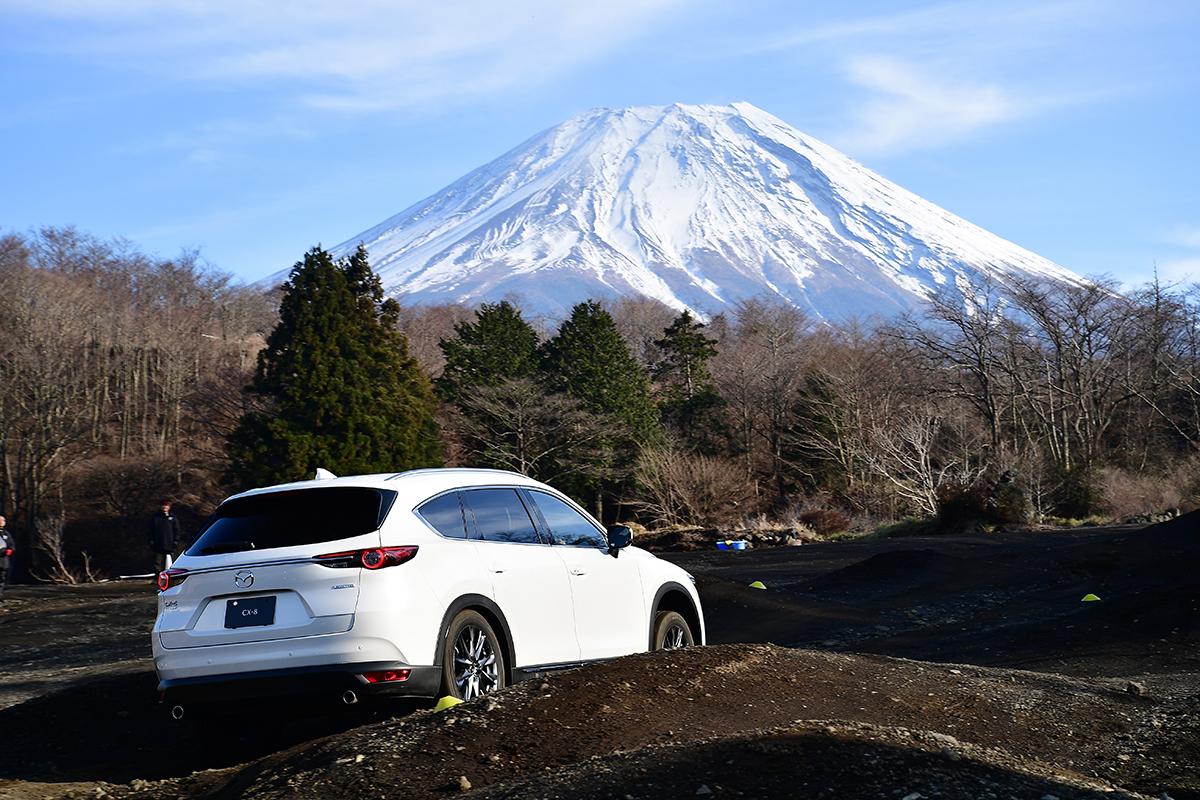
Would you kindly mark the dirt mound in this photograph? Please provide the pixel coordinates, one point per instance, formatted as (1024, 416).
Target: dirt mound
(1083, 733)
(1183, 530)
(808, 760)
(1031, 615)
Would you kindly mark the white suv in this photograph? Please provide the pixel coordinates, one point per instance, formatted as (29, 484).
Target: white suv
(438, 581)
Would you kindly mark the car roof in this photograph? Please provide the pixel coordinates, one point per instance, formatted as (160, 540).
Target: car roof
(414, 485)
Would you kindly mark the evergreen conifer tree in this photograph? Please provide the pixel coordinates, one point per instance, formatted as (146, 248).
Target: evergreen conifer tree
(688, 397)
(339, 388)
(588, 360)
(499, 345)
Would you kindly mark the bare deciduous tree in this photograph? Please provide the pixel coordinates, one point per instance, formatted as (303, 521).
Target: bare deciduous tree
(48, 542)
(104, 351)
(519, 425)
(682, 488)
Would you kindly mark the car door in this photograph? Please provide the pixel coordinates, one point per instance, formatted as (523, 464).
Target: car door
(528, 578)
(610, 611)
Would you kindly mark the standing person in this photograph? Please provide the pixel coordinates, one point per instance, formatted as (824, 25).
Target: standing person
(8, 545)
(164, 535)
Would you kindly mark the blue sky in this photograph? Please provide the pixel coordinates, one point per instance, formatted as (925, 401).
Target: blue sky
(251, 132)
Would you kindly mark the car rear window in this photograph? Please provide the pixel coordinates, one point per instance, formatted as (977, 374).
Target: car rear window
(286, 519)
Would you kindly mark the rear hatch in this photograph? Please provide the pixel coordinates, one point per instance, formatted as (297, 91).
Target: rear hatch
(277, 565)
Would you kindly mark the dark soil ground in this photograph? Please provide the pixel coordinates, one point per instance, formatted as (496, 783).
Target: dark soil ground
(844, 709)
(1002, 599)
(51, 635)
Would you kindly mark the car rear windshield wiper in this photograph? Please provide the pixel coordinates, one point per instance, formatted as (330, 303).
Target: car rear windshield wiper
(234, 546)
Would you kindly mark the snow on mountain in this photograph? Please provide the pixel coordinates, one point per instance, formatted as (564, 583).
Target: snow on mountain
(696, 206)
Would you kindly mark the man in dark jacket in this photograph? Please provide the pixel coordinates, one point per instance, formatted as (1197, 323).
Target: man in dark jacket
(164, 535)
(8, 546)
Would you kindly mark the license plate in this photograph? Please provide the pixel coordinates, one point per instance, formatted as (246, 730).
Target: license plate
(248, 611)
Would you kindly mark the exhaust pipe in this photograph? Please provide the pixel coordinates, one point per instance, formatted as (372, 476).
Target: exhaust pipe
(349, 698)
(177, 712)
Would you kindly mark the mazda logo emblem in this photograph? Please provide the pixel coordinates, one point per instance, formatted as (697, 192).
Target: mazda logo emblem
(244, 579)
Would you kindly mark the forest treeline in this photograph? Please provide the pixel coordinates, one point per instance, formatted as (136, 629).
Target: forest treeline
(125, 378)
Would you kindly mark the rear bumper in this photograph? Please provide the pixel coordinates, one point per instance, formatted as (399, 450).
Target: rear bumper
(324, 683)
(338, 651)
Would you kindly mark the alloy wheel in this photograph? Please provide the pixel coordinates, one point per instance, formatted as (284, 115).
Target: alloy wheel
(475, 669)
(674, 638)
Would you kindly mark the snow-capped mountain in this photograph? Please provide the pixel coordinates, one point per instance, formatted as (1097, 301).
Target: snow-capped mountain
(697, 206)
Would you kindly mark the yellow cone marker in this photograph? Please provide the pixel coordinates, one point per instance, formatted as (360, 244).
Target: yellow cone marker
(446, 702)
(1089, 598)
(758, 585)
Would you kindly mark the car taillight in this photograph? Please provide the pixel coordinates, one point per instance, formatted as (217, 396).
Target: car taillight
(372, 558)
(387, 676)
(171, 577)
(380, 557)
(348, 558)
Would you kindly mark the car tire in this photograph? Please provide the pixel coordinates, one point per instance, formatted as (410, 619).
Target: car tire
(472, 657)
(671, 631)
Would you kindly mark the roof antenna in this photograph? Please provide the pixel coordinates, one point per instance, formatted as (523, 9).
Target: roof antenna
(323, 475)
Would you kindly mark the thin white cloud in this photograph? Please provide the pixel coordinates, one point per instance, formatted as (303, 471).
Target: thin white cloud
(942, 72)
(907, 106)
(359, 55)
(940, 27)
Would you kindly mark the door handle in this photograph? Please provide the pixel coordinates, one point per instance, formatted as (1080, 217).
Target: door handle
(578, 571)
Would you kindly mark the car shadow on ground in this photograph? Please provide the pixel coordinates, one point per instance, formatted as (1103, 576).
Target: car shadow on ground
(113, 729)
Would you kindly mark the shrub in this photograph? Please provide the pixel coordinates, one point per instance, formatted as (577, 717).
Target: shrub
(1077, 493)
(1002, 499)
(681, 488)
(962, 505)
(1125, 494)
(1009, 500)
(825, 521)
(125, 489)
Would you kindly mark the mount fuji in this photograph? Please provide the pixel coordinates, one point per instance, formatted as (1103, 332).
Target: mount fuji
(697, 206)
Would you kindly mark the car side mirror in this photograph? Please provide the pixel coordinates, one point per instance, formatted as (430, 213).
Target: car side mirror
(619, 536)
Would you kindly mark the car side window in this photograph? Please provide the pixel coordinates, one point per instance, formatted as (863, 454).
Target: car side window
(445, 515)
(567, 526)
(499, 516)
